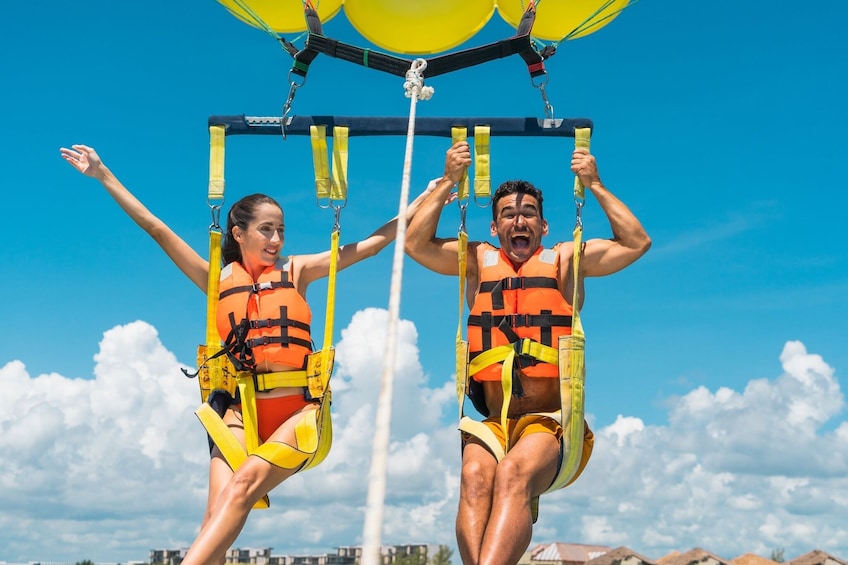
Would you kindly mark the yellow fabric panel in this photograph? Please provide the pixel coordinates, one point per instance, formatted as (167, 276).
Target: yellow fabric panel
(325, 431)
(482, 161)
(216, 162)
(572, 377)
(214, 374)
(459, 133)
(319, 369)
(339, 169)
(581, 139)
(318, 135)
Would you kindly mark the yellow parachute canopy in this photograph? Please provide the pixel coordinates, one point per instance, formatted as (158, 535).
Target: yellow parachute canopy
(281, 16)
(418, 27)
(557, 19)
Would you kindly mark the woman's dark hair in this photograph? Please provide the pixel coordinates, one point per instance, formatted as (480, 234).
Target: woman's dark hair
(513, 187)
(241, 214)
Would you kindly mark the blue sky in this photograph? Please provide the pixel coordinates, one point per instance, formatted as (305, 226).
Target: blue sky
(720, 124)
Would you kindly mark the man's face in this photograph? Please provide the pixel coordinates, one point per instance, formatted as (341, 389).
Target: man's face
(519, 226)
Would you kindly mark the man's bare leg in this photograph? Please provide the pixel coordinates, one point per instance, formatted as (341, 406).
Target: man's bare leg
(475, 500)
(528, 469)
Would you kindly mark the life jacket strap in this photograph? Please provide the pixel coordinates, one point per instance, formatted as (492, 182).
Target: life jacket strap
(496, 288)
(256, 288)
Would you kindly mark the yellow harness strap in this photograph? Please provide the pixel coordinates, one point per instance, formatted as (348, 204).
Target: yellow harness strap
(460, 133)
(572, 353)
(325, 188)
(482, 162)
(217, 135)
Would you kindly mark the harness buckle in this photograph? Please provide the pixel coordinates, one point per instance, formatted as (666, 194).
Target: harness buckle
(519, 320)
(514, 283)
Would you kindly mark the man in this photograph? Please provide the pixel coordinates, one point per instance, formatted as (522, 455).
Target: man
(494, 520)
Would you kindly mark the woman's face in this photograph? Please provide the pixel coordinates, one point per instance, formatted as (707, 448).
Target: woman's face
(262, 240)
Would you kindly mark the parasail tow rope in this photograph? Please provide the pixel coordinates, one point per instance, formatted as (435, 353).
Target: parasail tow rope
(415, 90)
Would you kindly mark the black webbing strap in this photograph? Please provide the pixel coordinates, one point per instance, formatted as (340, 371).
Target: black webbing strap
(496, 288)
(316, 43)
(304, 57)
(282, 340)
(545, 320)
(520, 44)
(256, 287)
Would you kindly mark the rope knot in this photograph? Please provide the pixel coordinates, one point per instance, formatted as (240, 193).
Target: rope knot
(414, 84)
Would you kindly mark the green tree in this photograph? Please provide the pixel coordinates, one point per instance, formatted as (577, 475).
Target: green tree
(442, 557)
(86, 562)
(777, 555)
(414, 559)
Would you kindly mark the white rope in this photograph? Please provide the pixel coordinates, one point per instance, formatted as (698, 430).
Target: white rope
(371, 541)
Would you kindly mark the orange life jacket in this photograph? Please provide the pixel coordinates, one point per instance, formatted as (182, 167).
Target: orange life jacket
(513, 305)
(263, 321)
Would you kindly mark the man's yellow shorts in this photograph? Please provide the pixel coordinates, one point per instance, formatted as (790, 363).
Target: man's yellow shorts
(534, 424)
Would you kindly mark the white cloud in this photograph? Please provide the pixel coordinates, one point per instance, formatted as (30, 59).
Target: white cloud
(732, 472)
(108, 468)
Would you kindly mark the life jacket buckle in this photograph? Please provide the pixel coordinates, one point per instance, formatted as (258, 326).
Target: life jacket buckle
(266, 285)
(519, 320)
(514, 283)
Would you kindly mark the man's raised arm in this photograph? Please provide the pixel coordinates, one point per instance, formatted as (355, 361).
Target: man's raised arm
(438, 254)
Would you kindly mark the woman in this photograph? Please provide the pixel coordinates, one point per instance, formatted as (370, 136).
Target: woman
(251, 252)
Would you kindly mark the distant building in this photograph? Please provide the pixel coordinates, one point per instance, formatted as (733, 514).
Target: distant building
(751, 559)
(562, 554)
(555, 553)
(346, 555)
(817, 557)
(167, 556)
(621, 556)
(695, 556)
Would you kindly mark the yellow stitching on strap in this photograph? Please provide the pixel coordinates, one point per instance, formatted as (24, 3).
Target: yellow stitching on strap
(460, 133)
(482, 160)
(318, 135)
(216, 162)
